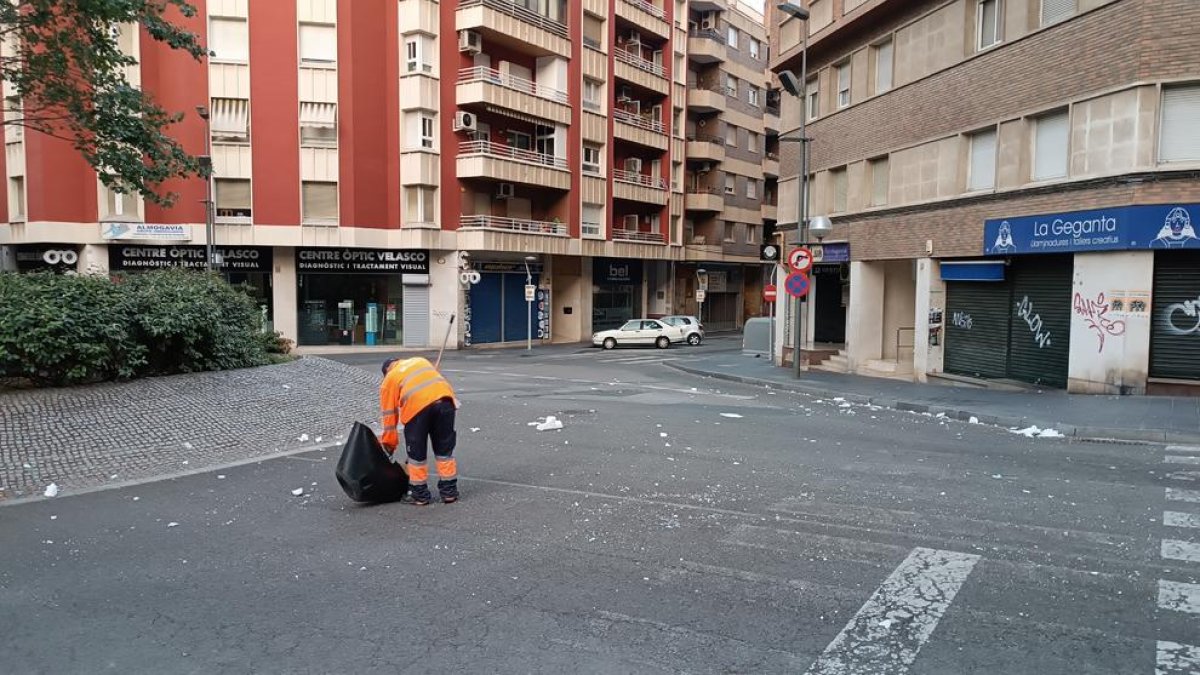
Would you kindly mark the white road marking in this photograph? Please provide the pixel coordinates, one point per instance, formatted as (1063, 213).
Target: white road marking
(1177, 659)
(1181, 459)
(1183, 475)
(1174, 549)
(1177, 519)
(886, 634)
(1180, 495)
(1184, 448)
(1178, 596)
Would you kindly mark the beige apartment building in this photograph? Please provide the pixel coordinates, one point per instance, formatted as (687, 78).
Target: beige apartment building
(381, 165)
(1018, 185)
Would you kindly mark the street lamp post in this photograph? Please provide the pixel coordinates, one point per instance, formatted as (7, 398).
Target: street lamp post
(529, 304)
(799, 90)
(206, 165)
(702, 288)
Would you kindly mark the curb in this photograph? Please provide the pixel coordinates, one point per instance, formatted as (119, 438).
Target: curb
(1082, 433)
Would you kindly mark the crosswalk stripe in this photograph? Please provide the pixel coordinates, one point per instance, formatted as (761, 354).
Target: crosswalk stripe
(1174, 549)
(1181, 495)
(1181, 459)
(1177, 519)
(1193, 449)
(1179, 596)
(1177, 659)
(889, 630)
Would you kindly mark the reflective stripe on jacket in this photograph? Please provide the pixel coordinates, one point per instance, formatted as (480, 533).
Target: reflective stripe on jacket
(408, 388)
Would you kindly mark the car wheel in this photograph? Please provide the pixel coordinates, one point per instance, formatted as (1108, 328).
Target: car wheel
(693, 339)
(662, 342)
(610, 343)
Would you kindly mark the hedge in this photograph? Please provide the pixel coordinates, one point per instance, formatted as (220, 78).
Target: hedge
(60, 329)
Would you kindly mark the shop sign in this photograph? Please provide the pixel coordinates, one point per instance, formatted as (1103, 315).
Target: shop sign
(1165, 226)
(122, 231)
(362, 260)
(718, 281)
(616, 272)
(534, 268)
(130, 257)
(543, 313)
(831, 253)
(47, 257)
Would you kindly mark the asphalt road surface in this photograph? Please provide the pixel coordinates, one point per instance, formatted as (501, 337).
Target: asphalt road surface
(676, 524)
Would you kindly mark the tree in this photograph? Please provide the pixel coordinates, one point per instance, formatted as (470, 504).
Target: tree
(65, 70)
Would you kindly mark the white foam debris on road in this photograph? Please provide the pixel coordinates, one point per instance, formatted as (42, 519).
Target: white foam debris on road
(172, 524)
(188, 446)
(474, 430)
(51, 490)
(662, 434)
(549, 423)
(303, 438)
(973, 420)
(220, 476)
(1034, 431)
(1050, 433)
(731, 415)
(297, 492)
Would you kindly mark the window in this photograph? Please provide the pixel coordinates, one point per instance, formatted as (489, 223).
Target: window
(228, 39)
(981, 174)
(593, 31)
(843, 76)
(593, 94)
(318, 43)
(879, 181)
(1054, 11)
(883, 66)
(427, 131)
(230, 119)
(419, 130)
(1179, 134)
(731, 86)
(730, 232)
(755, 48)
(519, 140)
(419, 205)
(751, 234)
(118, 205)
(841, 189)
(988, 17)
(232, 197)
(545, 141)
(593, 220)
(320, 202)
(677, 123)
(418, 53)
(733, 38)
(16, 198)
(676, 175)
(751, 189)
(730, 184)
(752, 96)
(318, 124)
(751, 141)
(591, 159)
(1050, 146)
(813, 106)
(730, 135)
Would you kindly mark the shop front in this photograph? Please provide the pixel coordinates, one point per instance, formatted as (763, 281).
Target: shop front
(248, 267)
(831, 292)
(1175, 325)
(56, 258)
(722, 306)
(361, 296)
(616, 292)
(498, 310)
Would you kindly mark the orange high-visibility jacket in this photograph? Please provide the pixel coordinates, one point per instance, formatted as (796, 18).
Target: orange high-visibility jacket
(408, 388)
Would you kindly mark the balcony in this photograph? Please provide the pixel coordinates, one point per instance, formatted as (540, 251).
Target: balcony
(705, 99)
(641, 129)
(621, 234)
(497, 161)
(638, 187)
(771, 165)
(709, 5)
(646, 16)
(706, 149)
(490, 87)
(701, 198)
(554, 229)
(642, 72)
(770, 211)
(506, 22)
(706, 46)
(771, 119)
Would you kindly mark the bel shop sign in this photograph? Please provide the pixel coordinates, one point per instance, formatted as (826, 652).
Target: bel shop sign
(1166, 226)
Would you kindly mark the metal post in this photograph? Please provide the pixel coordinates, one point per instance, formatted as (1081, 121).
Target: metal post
(802, 202)
(529, 312)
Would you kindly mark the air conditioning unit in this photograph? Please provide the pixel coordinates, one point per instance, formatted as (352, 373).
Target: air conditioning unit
(465, 121)
(469, 41)
(705, 167)
(505, 191)
(709, 21)
(630, 222)
(633, 165)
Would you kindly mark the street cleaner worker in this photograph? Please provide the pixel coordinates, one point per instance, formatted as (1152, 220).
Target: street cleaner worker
(415, 399)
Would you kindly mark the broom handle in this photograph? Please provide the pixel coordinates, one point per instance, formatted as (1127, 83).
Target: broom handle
(446, 340)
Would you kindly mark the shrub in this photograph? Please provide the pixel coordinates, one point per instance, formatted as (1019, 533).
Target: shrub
(70, 329)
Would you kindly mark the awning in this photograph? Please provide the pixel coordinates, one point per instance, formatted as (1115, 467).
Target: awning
(973, 270)
(319, 115)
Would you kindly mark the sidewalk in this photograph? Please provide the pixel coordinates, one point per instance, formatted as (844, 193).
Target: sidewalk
(1130, 418)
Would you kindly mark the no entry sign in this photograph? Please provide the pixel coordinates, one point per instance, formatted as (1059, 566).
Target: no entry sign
(797, 284)
(770, 293)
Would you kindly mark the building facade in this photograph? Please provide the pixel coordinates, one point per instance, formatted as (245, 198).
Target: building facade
(1017, 183)
(381, 165)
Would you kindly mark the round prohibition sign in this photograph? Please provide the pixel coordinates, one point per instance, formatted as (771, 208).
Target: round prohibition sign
(797, 284)
(800, 259)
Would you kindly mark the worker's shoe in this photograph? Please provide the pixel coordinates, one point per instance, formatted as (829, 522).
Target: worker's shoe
(418, 497)
(448, 490)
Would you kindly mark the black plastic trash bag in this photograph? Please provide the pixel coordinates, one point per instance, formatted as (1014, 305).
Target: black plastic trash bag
(365, 470)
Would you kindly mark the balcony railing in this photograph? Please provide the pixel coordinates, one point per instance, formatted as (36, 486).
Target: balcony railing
(772, 109)
(512, 225)
(707, 34)
(635, 235)
(641, 121)
(705, 190)
(518, 12)
(493, 76)
(639, 179)
(650, 9)
(715, 140)
(503, 151)
(637, 61)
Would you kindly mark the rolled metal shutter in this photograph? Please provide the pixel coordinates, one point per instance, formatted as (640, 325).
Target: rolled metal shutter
(1039, 346)
(976, 328)
(416, 316)
(1175, 324)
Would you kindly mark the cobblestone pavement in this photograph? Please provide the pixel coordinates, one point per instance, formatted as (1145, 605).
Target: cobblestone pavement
(86, 436)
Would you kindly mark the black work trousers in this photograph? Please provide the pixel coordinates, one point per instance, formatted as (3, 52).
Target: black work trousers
(433, 425)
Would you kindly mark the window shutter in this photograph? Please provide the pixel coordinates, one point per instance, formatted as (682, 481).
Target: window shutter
(230, 118)
(229, 39)
(879, 182)
(1054, 11)
(983, 161)
(883, 67)
(1050, 147)
(232, 194)
(318, 43)
(320, 201)
(321, 115)
(841, 190)
(1179, 139)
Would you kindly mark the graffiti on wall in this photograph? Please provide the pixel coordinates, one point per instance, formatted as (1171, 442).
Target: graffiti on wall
(1041, 335)
(961, 320)
(1096, 314)
(1182, 318)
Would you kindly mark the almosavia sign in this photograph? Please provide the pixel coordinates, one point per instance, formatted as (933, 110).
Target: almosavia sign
(129, 257)
(362, 260)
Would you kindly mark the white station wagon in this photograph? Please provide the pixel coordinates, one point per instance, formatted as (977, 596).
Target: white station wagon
(639, 332)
